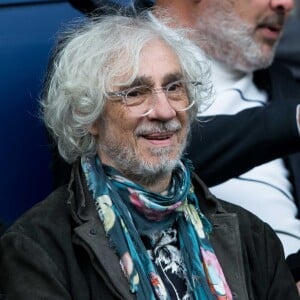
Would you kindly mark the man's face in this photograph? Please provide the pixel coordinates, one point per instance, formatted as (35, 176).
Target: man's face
(242, 33)
(143, 148)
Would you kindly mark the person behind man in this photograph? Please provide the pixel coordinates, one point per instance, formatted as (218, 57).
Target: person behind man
(134, 221)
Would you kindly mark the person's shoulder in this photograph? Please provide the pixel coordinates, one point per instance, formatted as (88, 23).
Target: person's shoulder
(254, 232)
(282, 78)
(280, 69)
(275, 69)
(234, 208)
(277, 78)
(50, 212)
(247, 220)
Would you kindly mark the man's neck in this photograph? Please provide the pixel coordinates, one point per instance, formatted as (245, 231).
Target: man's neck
(156, 183)
(223, 75)
(181, 9)
(160, 186)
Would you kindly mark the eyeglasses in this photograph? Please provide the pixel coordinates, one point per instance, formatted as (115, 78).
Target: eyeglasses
(140, 100)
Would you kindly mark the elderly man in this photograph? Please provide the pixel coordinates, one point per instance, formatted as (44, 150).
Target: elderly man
(134, 222)
(255, 117)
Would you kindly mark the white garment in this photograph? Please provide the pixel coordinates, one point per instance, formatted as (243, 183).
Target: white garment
(265, 190)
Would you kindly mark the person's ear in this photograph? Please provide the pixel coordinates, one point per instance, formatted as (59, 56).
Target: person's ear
(94, 129)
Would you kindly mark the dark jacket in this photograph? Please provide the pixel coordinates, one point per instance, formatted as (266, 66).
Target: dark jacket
(58, 250)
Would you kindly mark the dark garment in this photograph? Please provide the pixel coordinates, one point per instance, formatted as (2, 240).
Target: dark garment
(293, 262)
(59, 250)
(2, 228)
(106, 6)
(288, 50)
(164, 251)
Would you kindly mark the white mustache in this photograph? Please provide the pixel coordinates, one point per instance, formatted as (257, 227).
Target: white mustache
(158, 127)
(273, 20)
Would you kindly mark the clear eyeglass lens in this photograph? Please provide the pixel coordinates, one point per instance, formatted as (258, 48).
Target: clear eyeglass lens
(138, 95)
(176, 91)
(141, 100)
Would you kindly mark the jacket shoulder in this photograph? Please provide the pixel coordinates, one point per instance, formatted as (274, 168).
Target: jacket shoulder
(50, 212)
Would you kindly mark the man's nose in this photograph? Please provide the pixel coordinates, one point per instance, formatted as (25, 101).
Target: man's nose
(162, 110)
(282, 5)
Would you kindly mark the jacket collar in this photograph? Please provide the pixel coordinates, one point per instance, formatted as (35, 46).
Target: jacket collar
(80, 199)
(207, 201)
(89, 233)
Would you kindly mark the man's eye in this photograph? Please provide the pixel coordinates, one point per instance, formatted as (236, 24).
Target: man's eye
(137, 92)
(174, 87)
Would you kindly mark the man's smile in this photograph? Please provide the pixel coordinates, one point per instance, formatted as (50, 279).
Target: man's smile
(160, 138)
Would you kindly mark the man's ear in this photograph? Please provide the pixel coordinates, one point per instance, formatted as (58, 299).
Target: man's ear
(94, 129)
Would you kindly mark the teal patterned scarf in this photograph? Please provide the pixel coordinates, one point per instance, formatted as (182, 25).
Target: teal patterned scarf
(127, 211)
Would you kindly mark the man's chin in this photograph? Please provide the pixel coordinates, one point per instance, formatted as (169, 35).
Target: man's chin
(157, 165)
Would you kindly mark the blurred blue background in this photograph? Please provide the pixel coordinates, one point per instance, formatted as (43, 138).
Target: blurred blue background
(27, 31)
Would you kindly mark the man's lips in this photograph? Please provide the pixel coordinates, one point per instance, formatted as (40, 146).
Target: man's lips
(158, 135)
(272, 27)
(161, 139)
(271, 32)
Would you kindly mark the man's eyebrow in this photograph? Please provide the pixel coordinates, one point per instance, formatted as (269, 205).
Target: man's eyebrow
(141, 80)
(171, 77)
(147, 80)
